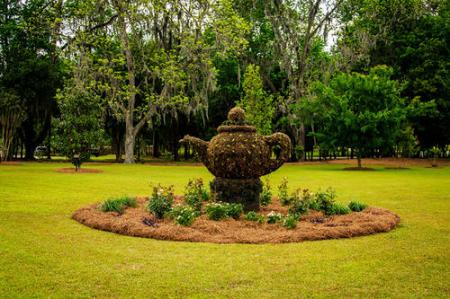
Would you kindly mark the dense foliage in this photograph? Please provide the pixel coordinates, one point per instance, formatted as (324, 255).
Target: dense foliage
(159, 70)
(78, 129)
(362, 112)
(118, 205)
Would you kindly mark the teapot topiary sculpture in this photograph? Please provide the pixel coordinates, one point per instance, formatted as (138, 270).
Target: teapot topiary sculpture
(238, 156)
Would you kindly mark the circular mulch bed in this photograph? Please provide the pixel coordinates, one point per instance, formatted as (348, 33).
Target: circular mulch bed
(314, 226)
(82, 170)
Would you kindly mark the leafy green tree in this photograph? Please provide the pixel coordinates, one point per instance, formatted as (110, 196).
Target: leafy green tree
(363, 112)
(412, 36)
(154, 59)
(29, 65)
(256, 102)
(79, 127)
(299, 27)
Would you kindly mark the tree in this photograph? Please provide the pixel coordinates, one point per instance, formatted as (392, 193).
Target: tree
(153, 59)
(412, 36)
(298, 26)
(362, 112)
(28, 63)
(256, 102)
(12, 114)
(79, 127)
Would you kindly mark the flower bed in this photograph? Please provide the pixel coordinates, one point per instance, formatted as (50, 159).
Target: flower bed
(314, 225)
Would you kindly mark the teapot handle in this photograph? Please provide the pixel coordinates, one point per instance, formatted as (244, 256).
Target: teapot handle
(284, 142)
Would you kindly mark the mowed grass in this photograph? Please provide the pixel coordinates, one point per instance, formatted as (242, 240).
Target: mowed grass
(43, 253)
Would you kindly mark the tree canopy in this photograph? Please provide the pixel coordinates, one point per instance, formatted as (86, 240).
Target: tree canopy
(160, 69)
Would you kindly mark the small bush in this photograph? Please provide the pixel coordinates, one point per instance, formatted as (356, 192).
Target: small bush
(290, 221)
(265, 198)
(195, 194)
(299, 207)
(118, 204)
(234, 210)
(253, 216)
(357, 206)
(324, 201)
(216, 211)
(221, 210)
(338, 209)
(183, 215)
(314, 205)
(283, 192)
(300, 201)
(273, 217)
(161, 201)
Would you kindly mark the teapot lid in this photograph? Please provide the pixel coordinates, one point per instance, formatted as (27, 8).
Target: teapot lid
(236, 122)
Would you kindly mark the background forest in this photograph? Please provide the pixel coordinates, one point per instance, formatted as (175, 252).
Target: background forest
(362, 78)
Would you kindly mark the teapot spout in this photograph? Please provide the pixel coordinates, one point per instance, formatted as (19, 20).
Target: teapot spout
(200, 146)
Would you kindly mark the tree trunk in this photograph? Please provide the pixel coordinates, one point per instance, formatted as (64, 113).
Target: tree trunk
(49, 142)
(175, 147)
(155, 150)
(30, 146)
(129, 143)
(303, 141)
(118, 152)
(117, 144)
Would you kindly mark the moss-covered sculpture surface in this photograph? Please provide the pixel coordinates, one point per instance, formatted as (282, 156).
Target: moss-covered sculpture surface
(238, 156)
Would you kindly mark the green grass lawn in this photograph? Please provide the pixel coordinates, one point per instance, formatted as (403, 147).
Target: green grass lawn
(43, 253)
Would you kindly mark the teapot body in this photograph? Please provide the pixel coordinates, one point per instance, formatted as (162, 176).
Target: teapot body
(237, 154)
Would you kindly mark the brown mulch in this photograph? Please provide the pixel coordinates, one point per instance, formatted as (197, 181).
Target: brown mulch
(82, 170)
(392, 162)
(10, 163)
(314, 226)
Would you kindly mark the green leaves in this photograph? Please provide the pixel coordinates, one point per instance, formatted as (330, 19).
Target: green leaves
(257, 103)
(79, 127)
(364, 112)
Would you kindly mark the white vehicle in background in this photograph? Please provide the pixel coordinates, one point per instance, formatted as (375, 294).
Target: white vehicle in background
(41, 152)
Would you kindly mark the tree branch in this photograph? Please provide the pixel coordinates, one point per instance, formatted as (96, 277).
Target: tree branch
(98, 26)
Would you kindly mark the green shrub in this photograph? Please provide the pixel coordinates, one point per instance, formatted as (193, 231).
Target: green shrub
(299, 207)
(314, 205)
(323, 201)
(161, 201)
(338, 209)
(234, 210)
(118, 204)
(283, 192)
(357, 206)
(216, 211)
(195, 194)
(253, 216)
(301, 200)
(221, 210)
(290, 221)
(265, 198)
(273, 217)
(183, 215)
